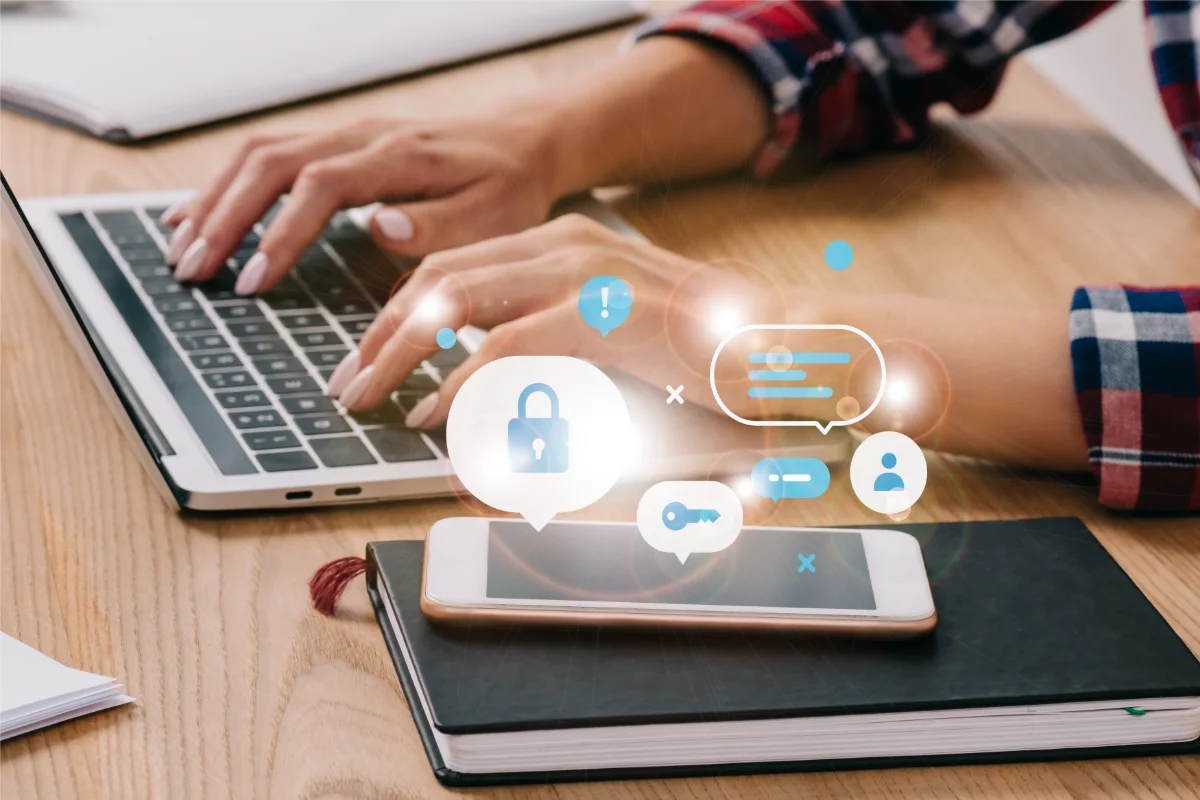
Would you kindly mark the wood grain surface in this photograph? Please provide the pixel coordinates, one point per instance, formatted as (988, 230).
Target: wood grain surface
(243, 691)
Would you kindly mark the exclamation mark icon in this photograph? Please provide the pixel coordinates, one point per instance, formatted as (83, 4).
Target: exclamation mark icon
(604, 301)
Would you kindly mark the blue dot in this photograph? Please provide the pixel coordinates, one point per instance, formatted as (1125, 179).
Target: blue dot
(838, 255)
(889, 460)
(446, 338)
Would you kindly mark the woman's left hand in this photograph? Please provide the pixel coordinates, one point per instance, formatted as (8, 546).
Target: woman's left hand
(525, 288)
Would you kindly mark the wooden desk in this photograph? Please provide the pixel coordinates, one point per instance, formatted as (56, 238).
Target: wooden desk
(244, 691)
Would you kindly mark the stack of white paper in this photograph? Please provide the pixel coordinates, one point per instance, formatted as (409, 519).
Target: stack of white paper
(36, 690)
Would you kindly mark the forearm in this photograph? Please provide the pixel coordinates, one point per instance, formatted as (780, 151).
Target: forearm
(990, 382)
(668, 109)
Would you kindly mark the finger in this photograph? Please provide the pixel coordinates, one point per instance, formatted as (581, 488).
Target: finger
(483, 297)
(467, 215)
(513, 291)
(175, 214)
(571, 234)
(265, 174)
(192, 216)
(320, 190)
(553, 331)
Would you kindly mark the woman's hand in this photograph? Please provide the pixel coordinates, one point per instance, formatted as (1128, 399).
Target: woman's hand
(446, 183)
(525, 288)
(450, 182)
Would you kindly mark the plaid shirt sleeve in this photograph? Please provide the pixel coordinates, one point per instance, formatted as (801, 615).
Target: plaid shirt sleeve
(1174, 34)
(848, 76)
(1136, 355)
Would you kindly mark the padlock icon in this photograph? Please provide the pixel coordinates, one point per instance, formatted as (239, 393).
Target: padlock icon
(537, 444)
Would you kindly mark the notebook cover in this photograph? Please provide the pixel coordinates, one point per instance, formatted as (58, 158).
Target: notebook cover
(1030, 612)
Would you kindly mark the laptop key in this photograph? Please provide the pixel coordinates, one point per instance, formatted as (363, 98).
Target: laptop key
(387, 414)
(189, 324)
(256, 419)
(203, 341)
(119, 221)
(141, 253)
(220, 287)
(448, 358)
(300, 384)
(439, 440)
(286, 461)
(326, 374)
(342, 451)
(326, 358)
(418, 383)
(321, 424)
(395, 444)
(176, 303)
(146, 271)
(251, 329)
(317, 404)
(215, 360)
(244, 310)
(285, 301)
(159, 287)
(270, 440)
(265, 347)
(230, 380)
(356, 325)
(278, 365)
(325, 338)
(299, 321)
(248, 399)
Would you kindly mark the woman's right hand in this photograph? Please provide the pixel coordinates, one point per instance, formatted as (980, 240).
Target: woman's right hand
(444, 183)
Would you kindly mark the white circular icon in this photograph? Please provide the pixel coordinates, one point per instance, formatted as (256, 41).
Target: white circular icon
(888, 472)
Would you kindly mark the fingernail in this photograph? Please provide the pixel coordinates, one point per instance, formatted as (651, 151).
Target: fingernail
(394, 223)
(170, 214)
(421, 411)
(252, 274)
(192, 260)
(357, 387)
(342, 375)
(181, 240)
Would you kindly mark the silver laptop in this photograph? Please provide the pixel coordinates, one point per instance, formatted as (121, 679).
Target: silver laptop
(224, 395)
(128, 70)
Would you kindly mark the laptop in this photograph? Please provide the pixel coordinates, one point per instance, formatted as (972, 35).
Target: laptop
(223, 396)
(125, 71)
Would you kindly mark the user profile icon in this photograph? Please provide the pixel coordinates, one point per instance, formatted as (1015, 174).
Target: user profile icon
(888, 472)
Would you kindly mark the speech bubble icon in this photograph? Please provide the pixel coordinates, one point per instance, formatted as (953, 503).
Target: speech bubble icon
(510, 452)
(796, 367)
(779, 478)
(605, 303)
(685, 517)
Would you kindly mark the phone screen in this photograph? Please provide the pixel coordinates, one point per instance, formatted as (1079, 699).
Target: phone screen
(767, 567)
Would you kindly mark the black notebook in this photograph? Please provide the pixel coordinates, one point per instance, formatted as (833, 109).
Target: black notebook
(1045, 649)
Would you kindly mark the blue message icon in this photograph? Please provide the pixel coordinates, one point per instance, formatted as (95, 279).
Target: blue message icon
(799, 478)
(605, 302)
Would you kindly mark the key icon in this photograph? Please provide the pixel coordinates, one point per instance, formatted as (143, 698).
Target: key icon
(676, 516)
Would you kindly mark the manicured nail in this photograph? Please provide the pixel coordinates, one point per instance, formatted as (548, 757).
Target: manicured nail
(422, 411)
(394, 223)
(181, 240)
(192, 260)
(357, 387)
(342, 375)
(172, 212)
(252, 275)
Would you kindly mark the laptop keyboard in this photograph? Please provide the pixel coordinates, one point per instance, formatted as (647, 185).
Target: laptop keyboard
(250, 373)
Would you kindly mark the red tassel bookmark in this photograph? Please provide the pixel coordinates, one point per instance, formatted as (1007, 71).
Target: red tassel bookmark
(326, 585)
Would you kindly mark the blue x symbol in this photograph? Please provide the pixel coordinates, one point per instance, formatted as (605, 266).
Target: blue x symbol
(806, 562)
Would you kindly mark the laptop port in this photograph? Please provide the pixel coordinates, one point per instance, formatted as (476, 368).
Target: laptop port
(298, 495)
(347, 491)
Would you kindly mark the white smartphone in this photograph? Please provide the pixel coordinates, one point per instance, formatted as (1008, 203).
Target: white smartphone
(603, 573)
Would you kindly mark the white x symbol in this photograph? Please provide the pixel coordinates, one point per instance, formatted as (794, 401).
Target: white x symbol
(674, 394)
